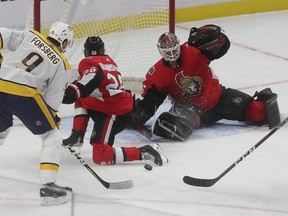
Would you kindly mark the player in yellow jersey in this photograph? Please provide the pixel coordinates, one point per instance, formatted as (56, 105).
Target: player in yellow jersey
(32, 83)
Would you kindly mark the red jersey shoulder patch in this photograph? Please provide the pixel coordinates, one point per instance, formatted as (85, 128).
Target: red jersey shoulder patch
(151, 70)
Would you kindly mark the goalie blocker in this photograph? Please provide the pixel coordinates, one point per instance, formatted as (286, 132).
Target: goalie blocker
(182, 119)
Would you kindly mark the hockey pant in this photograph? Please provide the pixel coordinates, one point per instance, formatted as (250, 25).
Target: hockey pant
(105, 128)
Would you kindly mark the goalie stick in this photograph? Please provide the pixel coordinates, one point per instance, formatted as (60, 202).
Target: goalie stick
(209, 182)
(148, 134)
(109, 185)
(143, 130)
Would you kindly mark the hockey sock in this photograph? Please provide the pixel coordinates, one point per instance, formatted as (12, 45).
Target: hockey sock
(80, 122)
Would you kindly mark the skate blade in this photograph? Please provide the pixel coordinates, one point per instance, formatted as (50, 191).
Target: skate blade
(48, 201)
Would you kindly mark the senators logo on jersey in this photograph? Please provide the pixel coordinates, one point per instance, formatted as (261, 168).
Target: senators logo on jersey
(190, 85)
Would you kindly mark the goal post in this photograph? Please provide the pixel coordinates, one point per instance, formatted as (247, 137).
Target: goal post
(129, 29)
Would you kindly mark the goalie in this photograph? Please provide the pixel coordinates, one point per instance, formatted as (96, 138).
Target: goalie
(199, 100)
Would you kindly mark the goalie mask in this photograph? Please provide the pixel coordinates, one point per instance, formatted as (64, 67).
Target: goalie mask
(210, 40)
(169, 47)
(63, 34)
(93, 46)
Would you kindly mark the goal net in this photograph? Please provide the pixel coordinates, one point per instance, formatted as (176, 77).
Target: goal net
(129, 28)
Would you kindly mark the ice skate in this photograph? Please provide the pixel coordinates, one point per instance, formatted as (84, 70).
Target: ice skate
(52, 194)
(153, 153)
(75, 140)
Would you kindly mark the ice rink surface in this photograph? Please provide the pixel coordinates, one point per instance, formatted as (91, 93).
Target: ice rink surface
(258, 186)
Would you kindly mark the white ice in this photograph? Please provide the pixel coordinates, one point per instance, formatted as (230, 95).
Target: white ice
(257, 186)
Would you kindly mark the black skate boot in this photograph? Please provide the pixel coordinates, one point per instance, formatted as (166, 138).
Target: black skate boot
(52, 194)
(75, 140)
(153, 153)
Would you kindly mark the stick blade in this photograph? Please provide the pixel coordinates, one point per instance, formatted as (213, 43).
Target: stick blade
(199, 182)
(143, 130)
(120, 185)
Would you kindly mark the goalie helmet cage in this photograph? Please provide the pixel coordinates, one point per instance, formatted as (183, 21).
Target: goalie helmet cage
(129, 29)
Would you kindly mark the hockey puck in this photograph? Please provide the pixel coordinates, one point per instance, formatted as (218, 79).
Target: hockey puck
(148, 167)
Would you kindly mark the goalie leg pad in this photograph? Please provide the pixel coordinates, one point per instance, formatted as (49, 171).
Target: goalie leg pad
(269, 99)
(233, 104)
(171, 126)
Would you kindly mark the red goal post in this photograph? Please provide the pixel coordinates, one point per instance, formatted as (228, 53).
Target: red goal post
(129, 29)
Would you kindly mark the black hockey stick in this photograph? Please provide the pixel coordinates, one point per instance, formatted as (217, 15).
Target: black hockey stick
(109, 185)
(209, 182)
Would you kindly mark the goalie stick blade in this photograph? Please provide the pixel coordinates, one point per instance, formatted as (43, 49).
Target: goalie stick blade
(143, 130)
(199, 182)
(120, 185)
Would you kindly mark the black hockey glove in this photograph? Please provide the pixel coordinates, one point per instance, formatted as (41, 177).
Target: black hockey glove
(72, 93)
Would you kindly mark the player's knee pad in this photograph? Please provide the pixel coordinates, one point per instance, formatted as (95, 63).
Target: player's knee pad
(103, 154)
(172, 126)
(269, 99)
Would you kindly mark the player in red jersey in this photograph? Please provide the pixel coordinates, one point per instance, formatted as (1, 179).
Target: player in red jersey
(99, 94)
(199, 100)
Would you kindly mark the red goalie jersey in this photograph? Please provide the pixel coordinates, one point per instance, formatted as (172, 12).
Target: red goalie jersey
(102, 83)
(193, 82)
